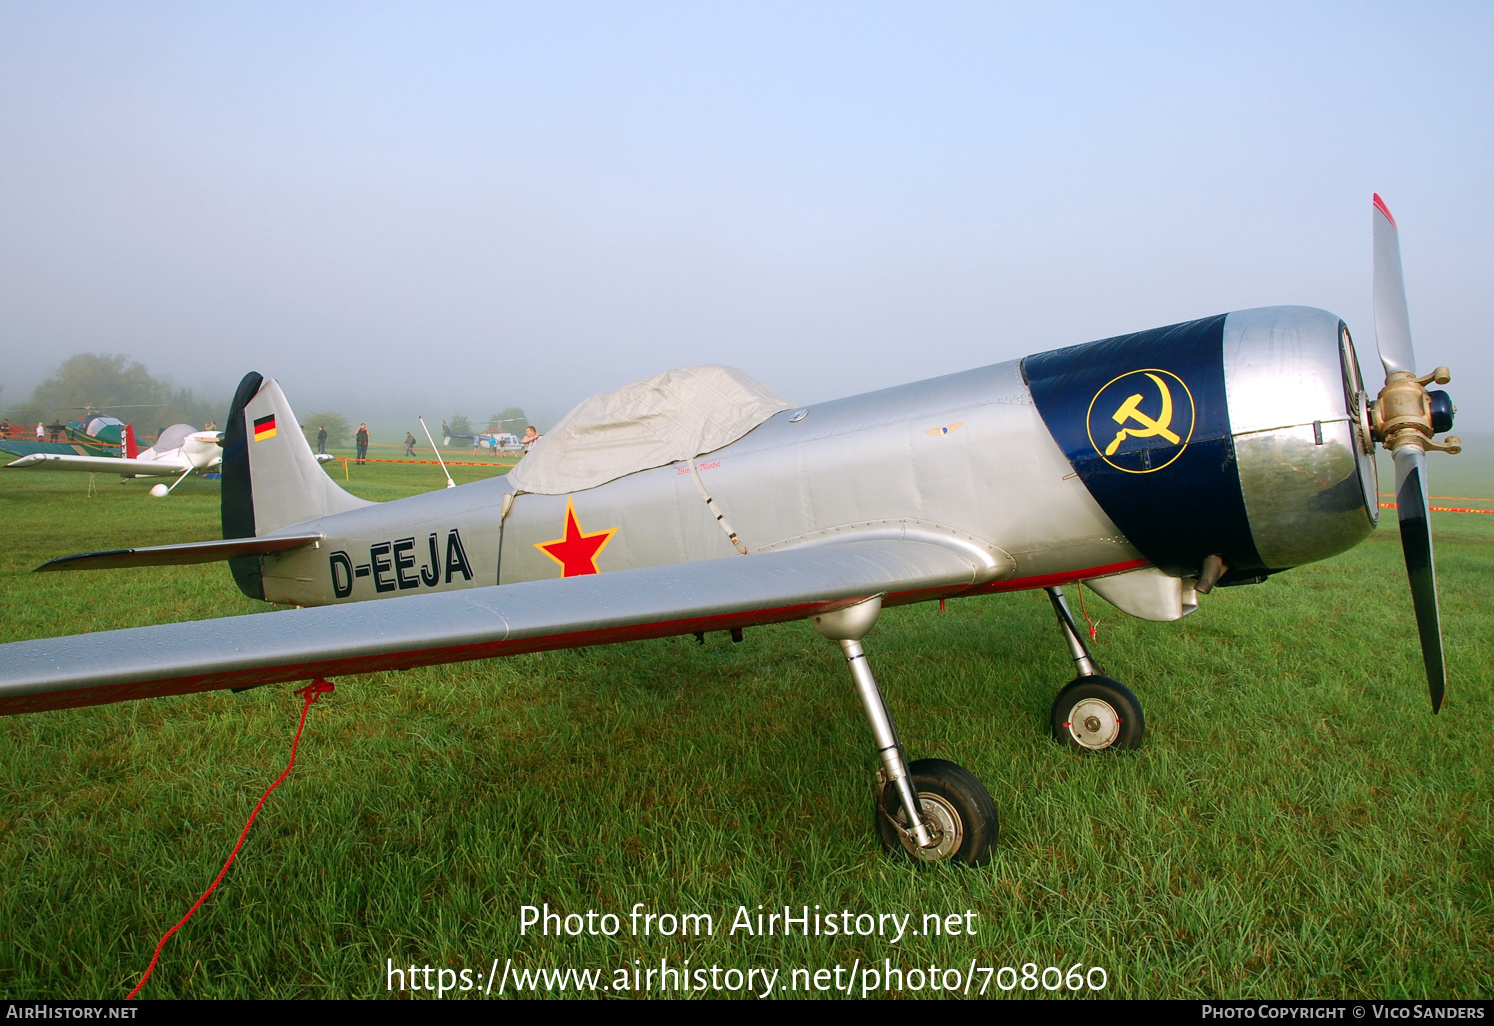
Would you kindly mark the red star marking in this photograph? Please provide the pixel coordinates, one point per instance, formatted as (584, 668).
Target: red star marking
(576, 552)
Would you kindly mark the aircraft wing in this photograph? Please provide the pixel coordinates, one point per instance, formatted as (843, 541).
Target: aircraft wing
(476, 623)
(102, 464)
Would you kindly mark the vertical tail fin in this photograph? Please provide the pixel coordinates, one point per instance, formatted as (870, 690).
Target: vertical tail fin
(270, 478)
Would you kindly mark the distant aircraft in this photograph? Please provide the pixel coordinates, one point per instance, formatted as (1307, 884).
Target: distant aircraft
(95, 433)
(1153, 467)
(501, 442)
(178, 451)
(497, 441)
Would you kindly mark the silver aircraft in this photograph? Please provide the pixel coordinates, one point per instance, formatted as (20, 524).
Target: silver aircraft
(1153, 467)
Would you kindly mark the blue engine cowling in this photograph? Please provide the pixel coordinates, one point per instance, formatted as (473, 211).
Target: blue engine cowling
(1242, 436)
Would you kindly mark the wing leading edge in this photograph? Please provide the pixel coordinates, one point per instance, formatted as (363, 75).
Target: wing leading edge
(479, 623)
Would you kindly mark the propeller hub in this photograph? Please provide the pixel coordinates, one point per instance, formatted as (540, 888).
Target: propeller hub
(1404, 415)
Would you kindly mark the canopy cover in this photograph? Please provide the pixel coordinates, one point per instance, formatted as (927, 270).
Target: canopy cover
(173, 437)
(650, 423)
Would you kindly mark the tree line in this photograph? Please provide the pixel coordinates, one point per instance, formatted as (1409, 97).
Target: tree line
(120, 387)
(115, 385)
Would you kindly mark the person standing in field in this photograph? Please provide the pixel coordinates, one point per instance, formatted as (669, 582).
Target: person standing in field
(530, 437)
(321, 439)
(362, 439)
(409, 444)
(41, 431)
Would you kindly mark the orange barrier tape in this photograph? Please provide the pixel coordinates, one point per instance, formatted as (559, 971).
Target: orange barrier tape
(401, 445)
(1440, 509)
(1449, 498)
(64, 440)
(432, 463)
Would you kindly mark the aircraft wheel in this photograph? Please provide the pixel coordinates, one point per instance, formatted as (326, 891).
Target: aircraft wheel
(1098, 714)
(957, 802)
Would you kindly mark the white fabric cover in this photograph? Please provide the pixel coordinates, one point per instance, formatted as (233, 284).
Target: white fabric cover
(650, 423)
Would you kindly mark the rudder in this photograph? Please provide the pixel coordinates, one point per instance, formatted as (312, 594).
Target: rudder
(270, 478)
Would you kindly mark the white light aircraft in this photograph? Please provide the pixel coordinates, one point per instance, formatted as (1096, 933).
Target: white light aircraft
(180, 450)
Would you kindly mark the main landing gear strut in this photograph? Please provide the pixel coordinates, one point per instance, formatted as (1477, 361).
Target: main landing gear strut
(1094, 713)
(931, 809)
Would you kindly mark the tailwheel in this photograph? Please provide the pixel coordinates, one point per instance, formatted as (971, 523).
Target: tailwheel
(1098, 714)
(951, 800)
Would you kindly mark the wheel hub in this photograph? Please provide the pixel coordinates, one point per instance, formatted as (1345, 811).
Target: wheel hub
(940, 815)
(1094, 724)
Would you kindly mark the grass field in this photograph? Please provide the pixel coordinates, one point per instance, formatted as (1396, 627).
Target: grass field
(1297, 824)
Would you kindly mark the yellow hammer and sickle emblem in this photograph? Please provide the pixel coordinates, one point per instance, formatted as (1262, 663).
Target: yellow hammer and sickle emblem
(1149, 428)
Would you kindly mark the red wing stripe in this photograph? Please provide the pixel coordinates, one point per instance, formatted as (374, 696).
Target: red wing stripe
(1051, 580)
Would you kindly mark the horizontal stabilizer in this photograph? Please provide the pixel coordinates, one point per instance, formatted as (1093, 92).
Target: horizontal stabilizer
(102, 464)
(473, 623)
(180, 555)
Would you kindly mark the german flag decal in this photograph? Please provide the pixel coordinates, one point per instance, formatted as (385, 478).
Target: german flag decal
(264, 427)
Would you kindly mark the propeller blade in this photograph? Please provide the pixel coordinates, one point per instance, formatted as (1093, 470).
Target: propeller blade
(1416, 543)
(1392, 321)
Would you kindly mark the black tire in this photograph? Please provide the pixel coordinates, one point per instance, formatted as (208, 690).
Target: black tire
(954, 797)
(1098, 714)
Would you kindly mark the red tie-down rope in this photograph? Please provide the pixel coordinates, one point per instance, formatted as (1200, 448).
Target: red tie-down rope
(1093, 630)
(312, 692)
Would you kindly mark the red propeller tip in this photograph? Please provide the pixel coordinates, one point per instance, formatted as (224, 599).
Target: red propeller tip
(1382, 208)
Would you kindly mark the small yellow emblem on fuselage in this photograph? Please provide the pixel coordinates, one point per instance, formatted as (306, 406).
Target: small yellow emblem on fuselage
(1141, 421)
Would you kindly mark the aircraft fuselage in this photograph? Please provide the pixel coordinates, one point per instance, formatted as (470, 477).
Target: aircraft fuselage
(1234, 436)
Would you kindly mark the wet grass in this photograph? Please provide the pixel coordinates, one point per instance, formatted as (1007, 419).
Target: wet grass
(1297, 825)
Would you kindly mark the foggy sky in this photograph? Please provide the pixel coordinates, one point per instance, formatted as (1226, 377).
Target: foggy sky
(474, 206)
